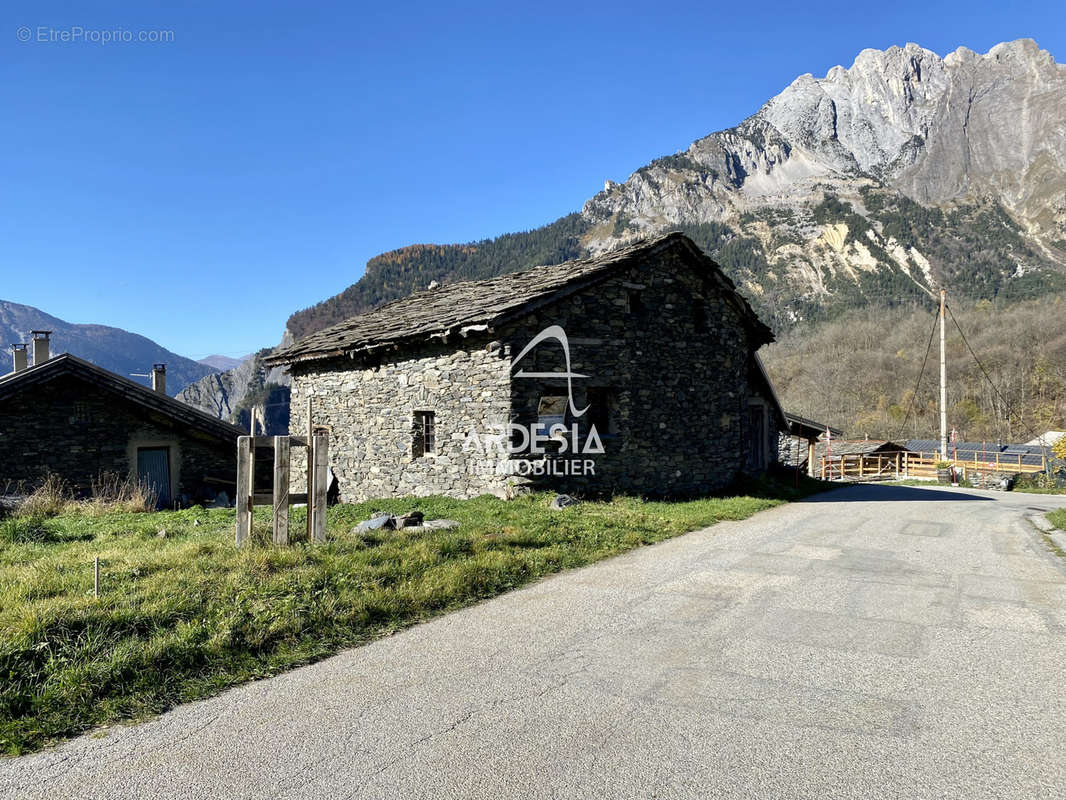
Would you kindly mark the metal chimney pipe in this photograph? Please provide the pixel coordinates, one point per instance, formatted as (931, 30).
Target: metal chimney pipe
(40, 346)
(18, 352)
(159, 378)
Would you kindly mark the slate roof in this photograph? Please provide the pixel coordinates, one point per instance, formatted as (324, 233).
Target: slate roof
(459, 307)
(808, 428)
(843, 447)
(150, 400)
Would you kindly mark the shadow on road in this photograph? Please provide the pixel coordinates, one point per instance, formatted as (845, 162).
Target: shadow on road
(872, 493)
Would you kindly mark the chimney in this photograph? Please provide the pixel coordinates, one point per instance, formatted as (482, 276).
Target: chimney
(159, 378)
(40, 346)
(18, 351)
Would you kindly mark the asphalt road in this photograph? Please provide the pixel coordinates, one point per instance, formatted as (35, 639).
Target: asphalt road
(877, 642)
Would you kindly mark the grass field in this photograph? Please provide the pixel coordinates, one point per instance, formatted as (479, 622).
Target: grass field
(1058, 519)
(183, 614)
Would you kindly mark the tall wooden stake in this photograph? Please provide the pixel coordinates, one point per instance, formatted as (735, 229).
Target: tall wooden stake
(316, 497)
(943, 382)
(281, 490)
(310, 468)
(245, 484)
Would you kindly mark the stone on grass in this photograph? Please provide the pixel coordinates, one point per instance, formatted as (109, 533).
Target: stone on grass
(374, 523)
(412, 519)
(562, 501)
(440, 524)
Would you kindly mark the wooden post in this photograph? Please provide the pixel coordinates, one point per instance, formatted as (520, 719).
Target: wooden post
(96, 576)
(810, 458)
(317, 498)
(898, 459)
(281, 490)
(862, 465)
(245, 482)
(310, 468)
(997, 461)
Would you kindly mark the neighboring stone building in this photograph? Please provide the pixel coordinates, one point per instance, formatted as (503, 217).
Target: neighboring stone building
(70, 418)
(451, 390)
(797, 445)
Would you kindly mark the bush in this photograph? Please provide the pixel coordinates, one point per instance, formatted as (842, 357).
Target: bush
(113, 493)
(110, 493)
(51, 498)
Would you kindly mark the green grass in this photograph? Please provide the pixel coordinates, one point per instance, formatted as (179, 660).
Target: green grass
(185, 615)
(1058, 518)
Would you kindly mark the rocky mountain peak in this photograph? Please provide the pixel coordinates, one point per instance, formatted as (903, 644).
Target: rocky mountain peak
(879, 181)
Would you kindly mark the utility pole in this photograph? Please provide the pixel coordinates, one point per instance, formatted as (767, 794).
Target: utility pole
(943, 382)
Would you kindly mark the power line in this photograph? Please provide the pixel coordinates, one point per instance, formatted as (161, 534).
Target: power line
(1006, 404)
(910, 405)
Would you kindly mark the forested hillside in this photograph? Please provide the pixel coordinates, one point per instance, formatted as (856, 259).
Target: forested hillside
(859, 372)
(128, 354)
(398, 273)
(872, 185)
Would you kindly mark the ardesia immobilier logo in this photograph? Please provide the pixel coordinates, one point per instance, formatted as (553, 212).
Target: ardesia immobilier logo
(548, 446)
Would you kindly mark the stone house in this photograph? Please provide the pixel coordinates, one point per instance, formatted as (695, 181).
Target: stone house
(634, 371)
(68, 417)
(797, 446)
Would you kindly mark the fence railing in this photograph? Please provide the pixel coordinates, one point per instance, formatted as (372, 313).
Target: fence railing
(893, 466)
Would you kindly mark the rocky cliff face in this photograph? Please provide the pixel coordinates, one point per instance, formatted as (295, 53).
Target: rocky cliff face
(231, 395)
(971, 139)
(879, 182)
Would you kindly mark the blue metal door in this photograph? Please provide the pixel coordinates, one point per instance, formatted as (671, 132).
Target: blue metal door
(153, 469)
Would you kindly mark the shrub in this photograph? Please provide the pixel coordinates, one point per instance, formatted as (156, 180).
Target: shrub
(51, 498)
(113, 493)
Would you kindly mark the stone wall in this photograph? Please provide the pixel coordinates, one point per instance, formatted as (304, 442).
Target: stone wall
(670, 356)
(665, 359)
(78, 431)
(368, 407)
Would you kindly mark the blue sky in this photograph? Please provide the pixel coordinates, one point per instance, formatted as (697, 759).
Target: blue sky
(198, 191)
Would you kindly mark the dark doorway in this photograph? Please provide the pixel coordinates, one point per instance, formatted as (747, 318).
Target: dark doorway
(153, 469)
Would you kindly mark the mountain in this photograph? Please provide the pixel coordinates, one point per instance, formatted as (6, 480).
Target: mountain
(222, 363)
(112, 348)
(873, 184)
(860, 372)
(230, 395)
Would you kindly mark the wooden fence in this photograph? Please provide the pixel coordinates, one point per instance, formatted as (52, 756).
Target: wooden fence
(894, 466)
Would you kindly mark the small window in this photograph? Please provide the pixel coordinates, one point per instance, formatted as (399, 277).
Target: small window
(424, 434)
(635, 302)
(551, 410)
(82, 415)
(699, 316)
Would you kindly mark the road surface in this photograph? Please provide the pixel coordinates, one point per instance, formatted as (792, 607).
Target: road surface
(875, 642)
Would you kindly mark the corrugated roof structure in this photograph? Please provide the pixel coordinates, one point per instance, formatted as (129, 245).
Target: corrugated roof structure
(459, 308)
(983, 451)
(844, 447)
